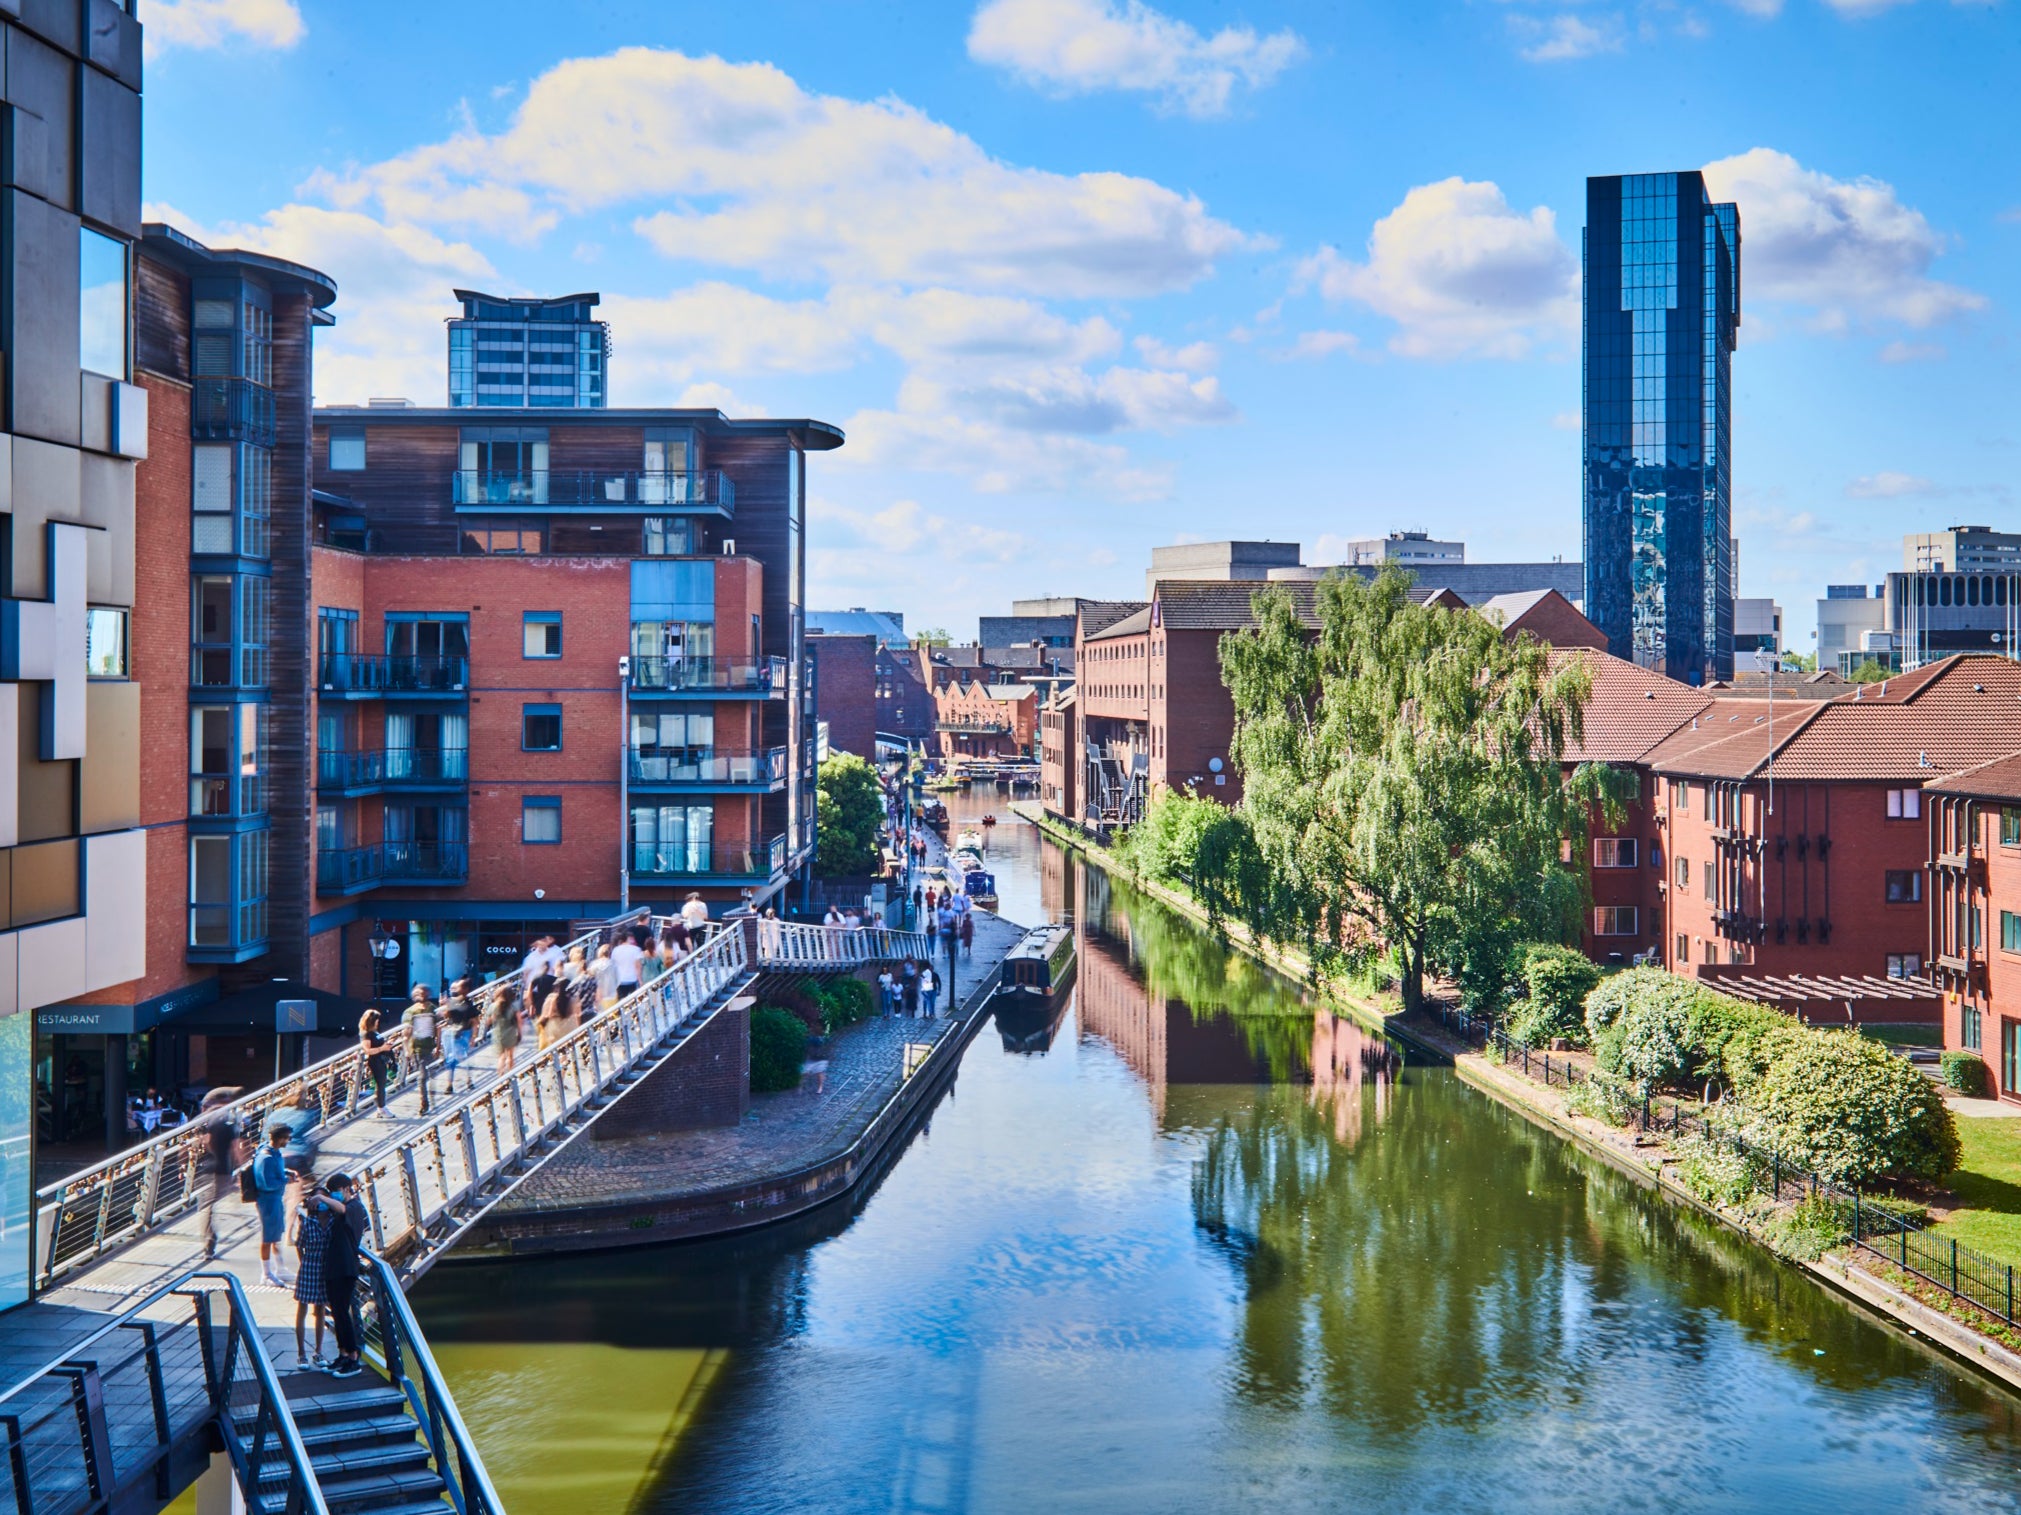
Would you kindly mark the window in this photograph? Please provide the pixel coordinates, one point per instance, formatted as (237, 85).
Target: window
(541, 631)
(1683, 787)
(227, 760)
(1905, 965)
(101, 304)
(105, 642)
(1708, 801)
(1968, 1028)
(1905, 804)
(211, 497)
(228, 891)
(347, 449)
(669, 536)
(540, 819)
(540, 728)
(2010, 826)
(1904, 885)
(1614, 852)
(2010, 931)
(1711, 882)
(1684, 873)
(1615, 920)
(1683, 948)
(2010, 1055)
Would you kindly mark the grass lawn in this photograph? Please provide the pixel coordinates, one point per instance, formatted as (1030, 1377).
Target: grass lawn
(1906, 1036)
(1988, 1186)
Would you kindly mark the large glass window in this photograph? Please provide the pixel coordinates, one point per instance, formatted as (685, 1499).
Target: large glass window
(540, 728)
(228, 891)
(540, 633)
(212, 661)
(105, 642)
(227, 760)
(669, 536)
(347, 449)
(101, 306)
(502, 465)
(672, 838)
(211, 497)
(421, 636)
(540, 819)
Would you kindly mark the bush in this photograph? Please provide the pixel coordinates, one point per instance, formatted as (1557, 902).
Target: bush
(1558, 980)
(1734, 1041)
(1717, 1174)
(1851, 1111)
(837, 1002)
(778, 1043)
(1965, 1072)
(1651, 1043)
(1608, 1002)
(1601, 1099)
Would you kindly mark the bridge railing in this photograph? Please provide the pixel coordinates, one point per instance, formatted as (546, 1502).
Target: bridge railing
(81, 1217)
(786, 945)
(424, 1192)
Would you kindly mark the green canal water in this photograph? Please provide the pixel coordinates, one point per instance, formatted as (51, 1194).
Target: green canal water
(1194, 1245)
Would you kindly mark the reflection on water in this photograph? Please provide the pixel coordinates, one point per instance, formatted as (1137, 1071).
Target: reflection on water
(1216, 1249)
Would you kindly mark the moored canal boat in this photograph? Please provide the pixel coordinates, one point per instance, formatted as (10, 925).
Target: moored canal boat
(1041, 963)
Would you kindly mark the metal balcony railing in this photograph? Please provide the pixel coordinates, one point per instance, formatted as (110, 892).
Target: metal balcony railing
(663, 675)
(708, 860)
(231, 410)
(392, 766)
(342, 869)
(759, 769)
(705, 489)
(359, 673)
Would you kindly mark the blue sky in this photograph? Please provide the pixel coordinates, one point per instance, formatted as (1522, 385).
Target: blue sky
(1084, 276)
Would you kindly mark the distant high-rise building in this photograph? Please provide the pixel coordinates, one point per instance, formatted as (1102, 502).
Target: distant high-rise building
(510, 352)
(1961, 549)
(1409, 549)
(1662, 315)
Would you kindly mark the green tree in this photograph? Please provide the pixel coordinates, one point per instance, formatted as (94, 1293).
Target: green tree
(932, 636)
(1870, 672)
(1404, 781)
(1800, 662)
(848, 805)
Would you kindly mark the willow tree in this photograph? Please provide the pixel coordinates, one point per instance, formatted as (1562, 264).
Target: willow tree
(1403, 778)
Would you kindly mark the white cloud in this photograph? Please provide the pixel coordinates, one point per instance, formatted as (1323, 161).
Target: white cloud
(1566, 37)
(1568, 420)
(1081, 46)
(923, 434)
(218, 23)
(1320, 344)
(1193, 356)
(393, 291)
(1847, 249)
(1767, 10)
(1461, 273)
(713, 396)
(1889, 485)
(763, 175)
(1912, 352)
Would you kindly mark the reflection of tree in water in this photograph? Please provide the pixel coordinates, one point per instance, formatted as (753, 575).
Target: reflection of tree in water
(1452, 1254)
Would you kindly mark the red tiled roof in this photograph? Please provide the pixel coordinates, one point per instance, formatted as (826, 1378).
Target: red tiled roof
(1937, 720)
(1997, 780)
(1630, 709)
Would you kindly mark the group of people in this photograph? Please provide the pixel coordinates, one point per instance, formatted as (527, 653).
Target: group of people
(325, 1223)
(913, 991)
(948, 915)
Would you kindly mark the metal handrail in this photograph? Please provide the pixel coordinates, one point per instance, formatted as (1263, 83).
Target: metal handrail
(75, 1395)
(399, 1338)
(798, 944)
(81, 1217)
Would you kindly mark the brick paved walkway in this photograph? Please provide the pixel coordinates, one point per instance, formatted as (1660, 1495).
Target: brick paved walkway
(783, 1132)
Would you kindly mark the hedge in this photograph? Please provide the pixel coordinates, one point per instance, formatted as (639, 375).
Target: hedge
(1966, 1072)
(1558, 979)
(778, 1044)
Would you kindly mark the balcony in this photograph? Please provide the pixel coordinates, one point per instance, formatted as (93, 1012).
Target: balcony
(703, 772)
(363, 676)
(594, 491)
(231, 410)
(708, 863)
(710, 678)
(351, 870)
(393, 768)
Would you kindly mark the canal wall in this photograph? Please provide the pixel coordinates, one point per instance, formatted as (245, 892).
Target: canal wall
(1947, 1338)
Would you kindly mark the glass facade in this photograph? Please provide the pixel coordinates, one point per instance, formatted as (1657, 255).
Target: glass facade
(519, 353)
(1662, 315)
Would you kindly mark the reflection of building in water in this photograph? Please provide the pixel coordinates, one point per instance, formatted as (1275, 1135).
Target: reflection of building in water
(1161, 1039)
(1346, 1058)
(1056, 881)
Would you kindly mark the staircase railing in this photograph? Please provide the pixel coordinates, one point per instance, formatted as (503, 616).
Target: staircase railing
(82, 1217)
(798, 944)
(94, 1429)
(423, 1193)
(393, 1341)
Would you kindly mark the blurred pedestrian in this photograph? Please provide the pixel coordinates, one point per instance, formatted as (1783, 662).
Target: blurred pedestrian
(270, 1199)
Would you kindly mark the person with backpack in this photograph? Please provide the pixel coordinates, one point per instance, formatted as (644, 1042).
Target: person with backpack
(269, 1183)
(422, 1020)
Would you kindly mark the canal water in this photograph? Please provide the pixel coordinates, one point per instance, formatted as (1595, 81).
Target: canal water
(1194, 1245)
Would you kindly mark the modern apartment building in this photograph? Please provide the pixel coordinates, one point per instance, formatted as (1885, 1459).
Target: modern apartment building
(560, 663)
(1962, 549)
(510, 353)
(1407, 549)
(73, 857)
(1662, 316)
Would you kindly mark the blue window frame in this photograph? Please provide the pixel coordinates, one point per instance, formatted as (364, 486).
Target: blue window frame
(541, 633)
(227, 895)
(540, 728)
(229, 623)
(540, 819)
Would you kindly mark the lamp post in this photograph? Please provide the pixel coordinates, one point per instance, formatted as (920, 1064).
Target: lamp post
(624, 786)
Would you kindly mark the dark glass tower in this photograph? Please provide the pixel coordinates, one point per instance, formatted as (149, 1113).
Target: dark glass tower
(1662, 315)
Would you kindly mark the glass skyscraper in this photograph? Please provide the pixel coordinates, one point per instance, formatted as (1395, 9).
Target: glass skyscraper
(1662, 315)
(508, 351)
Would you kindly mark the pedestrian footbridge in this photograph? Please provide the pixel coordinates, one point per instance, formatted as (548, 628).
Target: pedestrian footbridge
(143, 1350)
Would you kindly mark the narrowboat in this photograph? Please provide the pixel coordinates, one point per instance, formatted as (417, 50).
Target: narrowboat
(1041, 963)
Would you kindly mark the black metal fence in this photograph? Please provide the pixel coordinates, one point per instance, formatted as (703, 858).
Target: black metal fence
(1898, 1239)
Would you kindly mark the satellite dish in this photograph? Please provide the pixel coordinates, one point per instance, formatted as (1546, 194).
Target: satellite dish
(1213, 765)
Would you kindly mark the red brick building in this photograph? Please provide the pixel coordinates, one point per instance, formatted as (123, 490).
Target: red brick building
(845, 691)
(1831, 875)
(978, 719)
(1975, 913)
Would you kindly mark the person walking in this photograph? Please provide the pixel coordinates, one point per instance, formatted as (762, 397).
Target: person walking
(884, 995)
(311, 1237)
(342, 1265)
(505, 1027)
(221, 1140)
(270, 1199)
(626, 958)
(908, 989)
(459, 1033)
(967, 933)
(929, 989)
(695, 914)
(605, 974)
(422, 1021)
(377, 1059)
